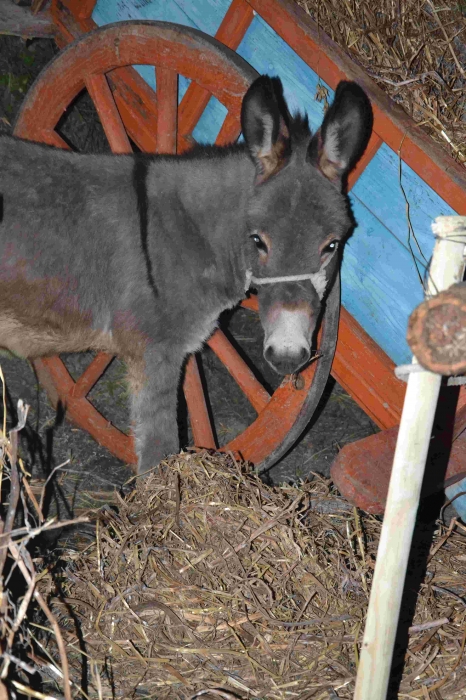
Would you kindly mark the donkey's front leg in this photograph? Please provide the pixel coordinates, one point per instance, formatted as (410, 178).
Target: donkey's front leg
(154, 386)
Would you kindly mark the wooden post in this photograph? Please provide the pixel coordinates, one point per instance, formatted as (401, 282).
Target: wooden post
(405, 484)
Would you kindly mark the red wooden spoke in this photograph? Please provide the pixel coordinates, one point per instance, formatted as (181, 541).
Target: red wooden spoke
(80, 411)
(167, 110)
(101, 96)
(51, 138)
(230, 130)
(251, 303)
(133, 95)
(85, 8)
(239, 370)
(231, 31)
(91, 374)
(235, 24)
(198, 413)
(192, 105)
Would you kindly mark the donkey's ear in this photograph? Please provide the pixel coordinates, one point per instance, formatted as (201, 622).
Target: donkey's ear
(344, 133)
(264, 121)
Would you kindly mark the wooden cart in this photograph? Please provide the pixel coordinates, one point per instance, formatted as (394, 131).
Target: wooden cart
(401, 170)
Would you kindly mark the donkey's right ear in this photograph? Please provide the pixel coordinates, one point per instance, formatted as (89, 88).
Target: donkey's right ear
(264, 121)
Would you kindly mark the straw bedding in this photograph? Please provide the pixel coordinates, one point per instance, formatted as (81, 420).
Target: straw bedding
(204, 577)
(415, 50)
(206, 580)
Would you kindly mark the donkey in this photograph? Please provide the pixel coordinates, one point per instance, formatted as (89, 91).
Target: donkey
(137, 255)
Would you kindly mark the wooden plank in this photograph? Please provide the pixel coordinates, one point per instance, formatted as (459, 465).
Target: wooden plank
(19, 21)
(199, 417)
(380, 286)
(206, 15)
(101, 96)
(256, 394)
(375, 142)
(81, 9)
(137, 107)
(266, 51)
(387, 196)
(366, 373)
(167, 110)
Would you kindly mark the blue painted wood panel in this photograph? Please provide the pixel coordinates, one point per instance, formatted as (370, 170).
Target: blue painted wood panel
(380, 284)
(379, 187)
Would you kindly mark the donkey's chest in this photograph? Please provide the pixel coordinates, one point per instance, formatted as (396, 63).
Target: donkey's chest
(197, 334)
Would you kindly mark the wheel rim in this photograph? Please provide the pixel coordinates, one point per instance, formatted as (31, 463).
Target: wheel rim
(98, 62)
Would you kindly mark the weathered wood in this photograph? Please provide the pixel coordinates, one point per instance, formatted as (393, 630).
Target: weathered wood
(404, 491)
(361, 470)
(437, 331)
(19, 21)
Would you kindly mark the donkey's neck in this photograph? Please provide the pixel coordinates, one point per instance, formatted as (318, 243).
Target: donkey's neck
(197, 210)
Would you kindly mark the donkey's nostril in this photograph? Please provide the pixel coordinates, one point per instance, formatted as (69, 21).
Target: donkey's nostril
(286, 363)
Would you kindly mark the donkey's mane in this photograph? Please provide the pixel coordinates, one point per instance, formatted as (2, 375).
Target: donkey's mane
(298, 126)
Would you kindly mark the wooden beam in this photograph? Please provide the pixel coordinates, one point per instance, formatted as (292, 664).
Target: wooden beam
(19, 21)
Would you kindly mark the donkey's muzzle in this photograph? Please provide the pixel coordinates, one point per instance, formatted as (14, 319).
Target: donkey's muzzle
(287, 363)
(288, 331)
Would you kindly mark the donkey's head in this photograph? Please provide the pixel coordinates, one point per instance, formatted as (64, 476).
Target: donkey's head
(298, 216)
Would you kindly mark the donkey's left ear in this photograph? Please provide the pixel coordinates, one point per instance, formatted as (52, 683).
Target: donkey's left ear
(264, 121)
(344, 133)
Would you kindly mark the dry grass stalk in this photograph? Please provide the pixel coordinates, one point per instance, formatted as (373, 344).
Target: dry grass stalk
(17, 640)
(415, 50)
(204, 577)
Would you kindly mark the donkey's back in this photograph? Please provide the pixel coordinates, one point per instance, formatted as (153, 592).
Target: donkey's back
(69, 255)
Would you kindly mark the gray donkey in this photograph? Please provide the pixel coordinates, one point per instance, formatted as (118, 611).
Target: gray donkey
(137, 255)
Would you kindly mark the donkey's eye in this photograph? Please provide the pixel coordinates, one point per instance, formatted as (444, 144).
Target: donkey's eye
(260, 245)
(330, 248)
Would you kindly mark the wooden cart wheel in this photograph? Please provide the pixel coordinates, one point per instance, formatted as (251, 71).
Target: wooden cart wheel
(98, 63)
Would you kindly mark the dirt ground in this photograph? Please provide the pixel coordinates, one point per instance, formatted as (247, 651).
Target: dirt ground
(50, 441)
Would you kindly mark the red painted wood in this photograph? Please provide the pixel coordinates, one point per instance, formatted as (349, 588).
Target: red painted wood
(199, 418)
(231, 31)
(101, 96)
(362, 469)
(367, 373)
(51, 138)
(257, 395)
(230, 130)
(82, 8)
(91, 375)
(460, 417)
(167, 110)
(83, 414)
(137, 106)
(257, 441)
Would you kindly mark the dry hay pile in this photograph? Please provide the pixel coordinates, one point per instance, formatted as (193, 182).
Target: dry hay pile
(204, 577)
(415, 50)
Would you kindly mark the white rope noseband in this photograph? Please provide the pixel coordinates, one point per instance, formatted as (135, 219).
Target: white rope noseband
(250, 279)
